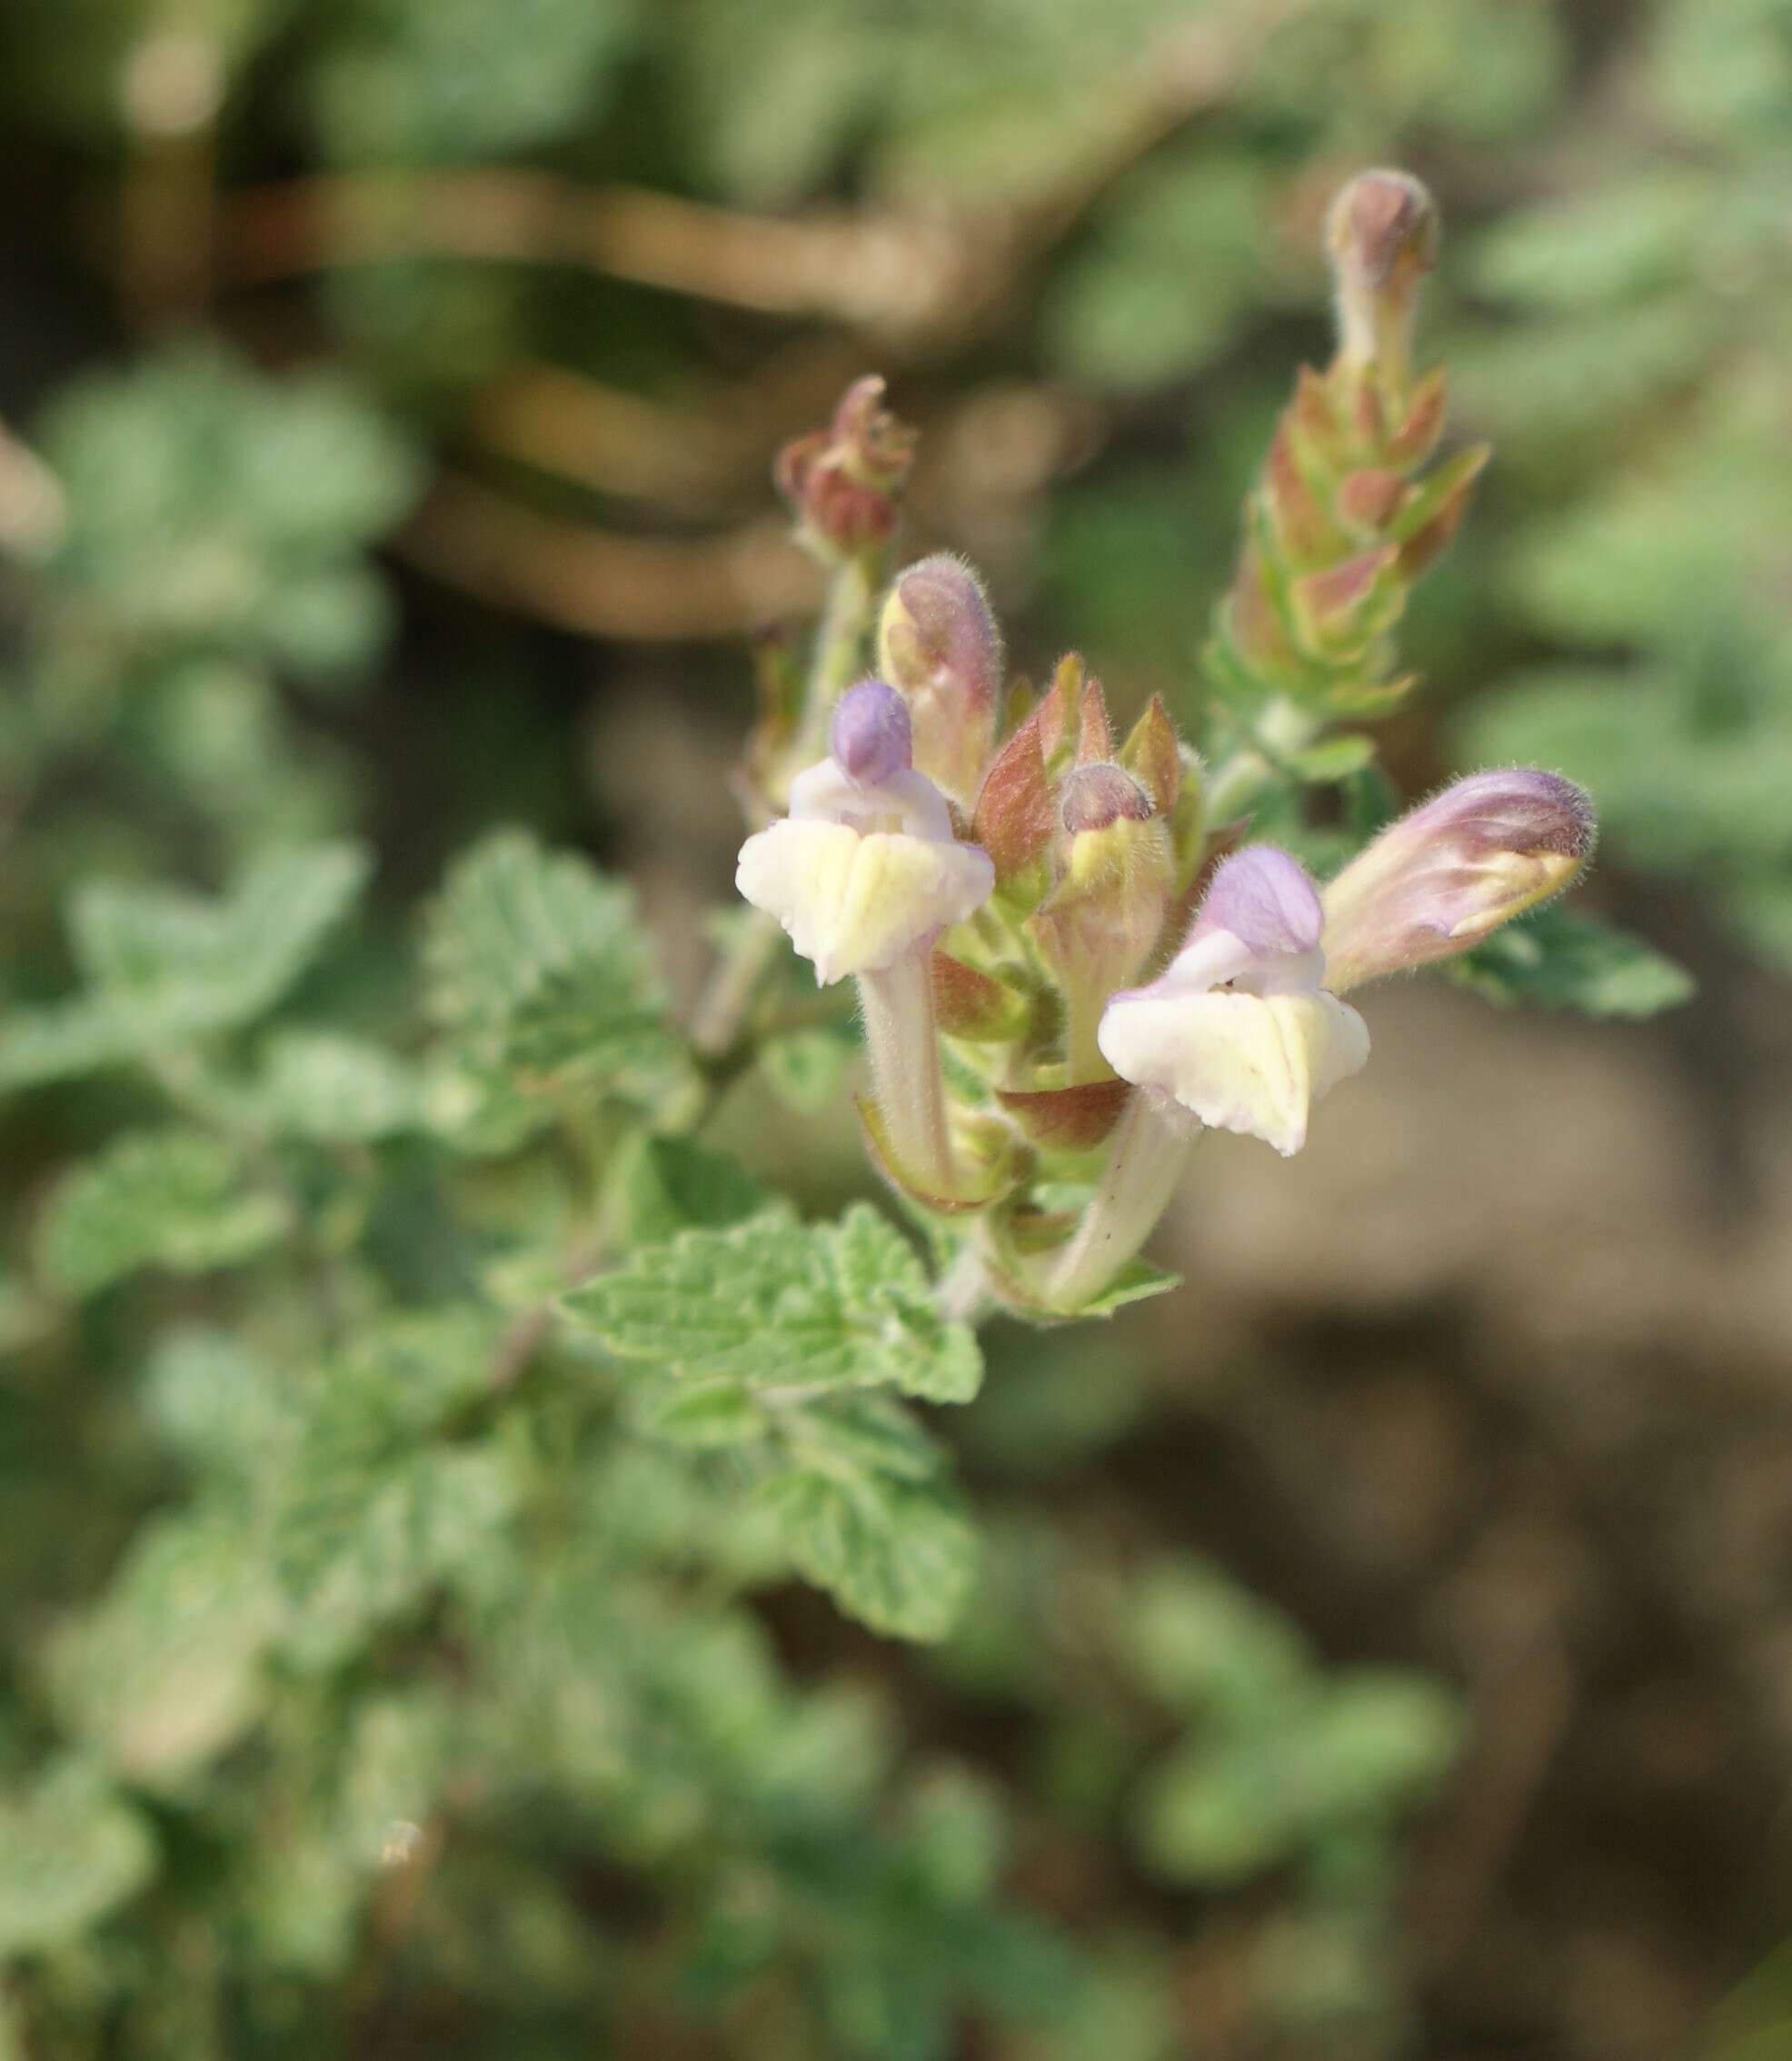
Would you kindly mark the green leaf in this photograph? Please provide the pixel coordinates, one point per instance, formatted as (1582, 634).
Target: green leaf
(539, 971)
(1217, 1815)
(863, 1430)
(781, 1305)
(357, 1546)
(367, 1515)
(1202, 1644)
(174, 1199)
(666, 1185)
(448, 79)
(1348, 1753)
(898, 1556)
(804, 1068)
(1562, 959)
(204, 498)
(1377, 1741)
(166, 966)
(167, 1672)
(322, 1085)
(71, 1850)
(1166, 282)
(704, 1414)
(1334, 759)
(1621, 238)
(214, 1402)
(1137, 1281)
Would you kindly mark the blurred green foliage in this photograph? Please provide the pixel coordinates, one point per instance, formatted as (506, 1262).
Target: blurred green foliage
(377, 1660)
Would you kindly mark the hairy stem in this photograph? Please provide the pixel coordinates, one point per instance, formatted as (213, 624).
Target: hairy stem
(839, 646)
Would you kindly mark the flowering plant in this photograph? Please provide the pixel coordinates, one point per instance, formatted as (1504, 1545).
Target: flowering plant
(453, 1417)
(1075, 952)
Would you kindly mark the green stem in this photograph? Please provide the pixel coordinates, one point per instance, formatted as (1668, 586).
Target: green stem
(1238, 782)
(840, 648)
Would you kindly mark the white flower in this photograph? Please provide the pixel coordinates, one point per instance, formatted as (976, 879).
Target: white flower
(1245, 1028)
(1239, 1029)
(866, 867)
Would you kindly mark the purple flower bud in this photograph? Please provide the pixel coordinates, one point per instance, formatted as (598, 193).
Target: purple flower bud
(1095, 798)
(939, 644)
(1381, 222)
(871, 738)
(1263, 898)
(1382, 232)
(1486, 850)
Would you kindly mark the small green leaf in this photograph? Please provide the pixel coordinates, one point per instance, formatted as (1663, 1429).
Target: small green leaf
(781, 1305)
(898, 1556)
(1203, 1645)
(1617, 241)
(804, 1068)
(174, 1199)
(358, 1546)
(167, 1673)
(367, 1515)
(216, 1402)
(70, 1851)
(705, 1414)
(446, 80)
(539, 972)
(1377, 1739)
(667, 1185)
(1137, 1281)
(1217, 1815)
(862, 1431)
(1334, 758)
(226, 959)
(211, 505)
(1562, 959)
(322, 1085)
(166, 966)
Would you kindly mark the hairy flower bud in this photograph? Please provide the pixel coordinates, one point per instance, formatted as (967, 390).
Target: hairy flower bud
(1445, 875)
(939, 644)
(1116, 878)
(1383, 233)
(844, 483)
(1096, 798)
